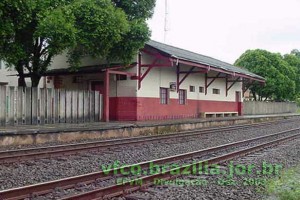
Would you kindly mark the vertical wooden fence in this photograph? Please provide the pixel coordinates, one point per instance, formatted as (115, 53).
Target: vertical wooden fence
(48, 106)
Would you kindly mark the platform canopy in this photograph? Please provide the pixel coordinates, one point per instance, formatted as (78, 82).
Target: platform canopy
(85, 69)
(198, 60)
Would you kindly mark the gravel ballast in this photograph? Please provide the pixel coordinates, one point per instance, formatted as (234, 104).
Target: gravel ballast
(31, 172)
(286, 154)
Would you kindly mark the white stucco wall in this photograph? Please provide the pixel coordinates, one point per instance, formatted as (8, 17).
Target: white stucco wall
(156, 78)
(60, 61)
(6, 75)
(161, 77)
(123, 88)
(67, 81)
(118, 88)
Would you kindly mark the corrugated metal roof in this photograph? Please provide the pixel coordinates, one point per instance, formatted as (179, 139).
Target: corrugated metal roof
(198, 58)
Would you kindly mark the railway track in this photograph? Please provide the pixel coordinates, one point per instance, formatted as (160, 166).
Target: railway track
(227, 151)
(19, 155)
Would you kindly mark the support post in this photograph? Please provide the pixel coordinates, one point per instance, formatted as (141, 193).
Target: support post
(140, 70)
(246, 87)
(213, 79)
(106, 97)
(156, 62)
(186, 75)
(205, 84)
(226, 86)
(178, 74)
(233, 82)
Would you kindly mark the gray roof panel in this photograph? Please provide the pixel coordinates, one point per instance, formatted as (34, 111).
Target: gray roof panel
(198, 58)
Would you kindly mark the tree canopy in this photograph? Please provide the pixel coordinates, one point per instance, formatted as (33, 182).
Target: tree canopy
(295, 52)
(32, 32)
(281, 74)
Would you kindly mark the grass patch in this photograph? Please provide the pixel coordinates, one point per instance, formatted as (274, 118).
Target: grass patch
(286, 186)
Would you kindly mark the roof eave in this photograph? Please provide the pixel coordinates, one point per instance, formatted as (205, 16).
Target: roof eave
(217, 69)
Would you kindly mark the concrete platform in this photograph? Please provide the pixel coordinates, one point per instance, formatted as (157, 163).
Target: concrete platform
(37, 134)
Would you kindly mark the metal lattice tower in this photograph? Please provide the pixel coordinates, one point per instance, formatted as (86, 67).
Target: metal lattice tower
(166, 28)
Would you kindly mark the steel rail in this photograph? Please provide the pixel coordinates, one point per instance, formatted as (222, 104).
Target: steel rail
(129, 187)
(71, 149)
(48, 187)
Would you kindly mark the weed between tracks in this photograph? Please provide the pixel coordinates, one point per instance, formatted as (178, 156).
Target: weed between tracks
(286, 186)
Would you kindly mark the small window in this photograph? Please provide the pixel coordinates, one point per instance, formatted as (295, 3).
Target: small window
(192, 88)
(164, 95)
(121, 77)
(201, 89)
(182, 97)
(216, 91)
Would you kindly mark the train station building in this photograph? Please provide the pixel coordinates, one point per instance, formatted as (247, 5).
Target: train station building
(162, 82)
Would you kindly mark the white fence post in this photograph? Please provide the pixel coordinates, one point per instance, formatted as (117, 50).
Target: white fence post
(3, 105)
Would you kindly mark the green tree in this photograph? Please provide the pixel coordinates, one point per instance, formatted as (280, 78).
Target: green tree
(294, 61)
(295, 52)
(32, 32)
(280, 76)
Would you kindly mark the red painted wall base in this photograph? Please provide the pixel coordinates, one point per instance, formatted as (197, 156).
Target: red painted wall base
(137, 109)
(123, 108)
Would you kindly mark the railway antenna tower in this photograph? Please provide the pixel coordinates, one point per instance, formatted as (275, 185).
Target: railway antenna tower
(166, 27)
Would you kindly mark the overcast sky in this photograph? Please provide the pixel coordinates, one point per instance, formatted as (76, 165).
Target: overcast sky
(224, 29)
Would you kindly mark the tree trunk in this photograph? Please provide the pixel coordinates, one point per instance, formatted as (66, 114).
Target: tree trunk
(254, 96)
(20, 70)
(259, 96)
(21, 81)
(35, 79)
